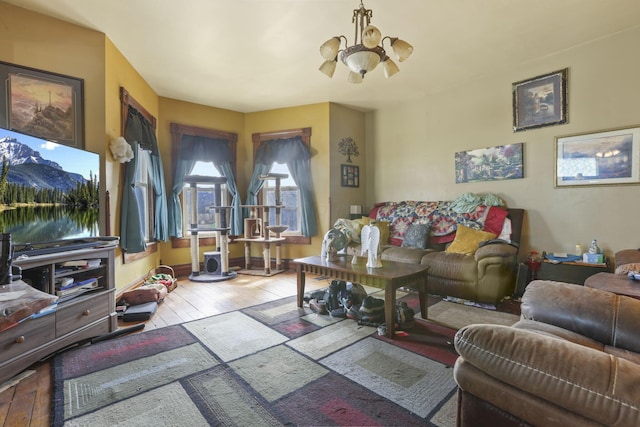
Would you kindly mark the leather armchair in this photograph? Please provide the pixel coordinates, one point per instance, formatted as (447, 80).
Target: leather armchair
(486, 276)
(572, 360)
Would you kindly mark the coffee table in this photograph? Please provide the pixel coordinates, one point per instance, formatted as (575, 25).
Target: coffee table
(390, 277)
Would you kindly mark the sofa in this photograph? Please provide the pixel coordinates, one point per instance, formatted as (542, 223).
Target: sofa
(483, 274)
(573, 359)
(626, 260)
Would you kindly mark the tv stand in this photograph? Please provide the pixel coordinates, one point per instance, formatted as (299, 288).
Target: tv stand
(77, 318)
(55, 246)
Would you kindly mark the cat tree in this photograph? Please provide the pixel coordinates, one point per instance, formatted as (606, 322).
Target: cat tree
(216, 263)
(258, 230)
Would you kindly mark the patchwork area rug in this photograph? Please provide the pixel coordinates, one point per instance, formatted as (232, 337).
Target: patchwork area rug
(268, 365)
(458, 315)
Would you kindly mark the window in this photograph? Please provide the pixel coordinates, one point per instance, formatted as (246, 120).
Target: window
(290, 215)
(205, 199)
(143, 191)
(296, 194)
(144, 184)
(191, 144)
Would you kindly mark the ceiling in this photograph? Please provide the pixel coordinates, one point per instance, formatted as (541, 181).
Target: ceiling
(255, 55)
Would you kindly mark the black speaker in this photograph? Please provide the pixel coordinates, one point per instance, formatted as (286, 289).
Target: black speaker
(522, 279)
(212, 264)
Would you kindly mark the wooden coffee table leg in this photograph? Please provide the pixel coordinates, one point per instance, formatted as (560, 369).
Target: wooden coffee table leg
(390, 308)
(301, 278)
(422, 296)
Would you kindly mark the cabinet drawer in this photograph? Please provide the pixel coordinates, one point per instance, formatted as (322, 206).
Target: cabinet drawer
(26, 336)
(74, 314)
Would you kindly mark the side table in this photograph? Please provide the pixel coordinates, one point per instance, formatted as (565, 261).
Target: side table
(569, 272)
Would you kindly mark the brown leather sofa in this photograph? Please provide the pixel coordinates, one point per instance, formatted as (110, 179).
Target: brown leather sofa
(572, 360)
(625, 260)
(487, 276)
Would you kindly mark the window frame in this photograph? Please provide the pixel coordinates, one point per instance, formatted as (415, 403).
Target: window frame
(260, 137)
(178, 130)
(127, 100)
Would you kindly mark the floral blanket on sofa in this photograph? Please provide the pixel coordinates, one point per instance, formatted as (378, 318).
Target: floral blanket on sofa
(442, 217)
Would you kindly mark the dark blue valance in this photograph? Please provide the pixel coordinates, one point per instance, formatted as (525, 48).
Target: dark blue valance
(282, 151)
(205, 149)
(138, 129)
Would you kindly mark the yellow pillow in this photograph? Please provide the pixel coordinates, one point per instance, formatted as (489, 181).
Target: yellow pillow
(382, 225)
(384, 230)
(467, 240)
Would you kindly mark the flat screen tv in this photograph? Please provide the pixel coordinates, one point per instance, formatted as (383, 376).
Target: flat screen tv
(49, 192)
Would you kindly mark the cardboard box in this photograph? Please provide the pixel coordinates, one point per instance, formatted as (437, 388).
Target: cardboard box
(593, 258)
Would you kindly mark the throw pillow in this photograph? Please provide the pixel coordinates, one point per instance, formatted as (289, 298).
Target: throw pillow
(626, 268)
(366, 220)
(382, 225)
(467, 240)
(416, 236)
(384, 231)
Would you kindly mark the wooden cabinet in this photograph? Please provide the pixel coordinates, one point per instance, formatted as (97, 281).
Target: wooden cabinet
(569, 272)
(78, 317)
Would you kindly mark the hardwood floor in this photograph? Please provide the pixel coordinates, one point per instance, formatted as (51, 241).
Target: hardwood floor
(28, 403)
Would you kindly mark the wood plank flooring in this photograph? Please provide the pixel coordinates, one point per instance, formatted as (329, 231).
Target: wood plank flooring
(29, 402)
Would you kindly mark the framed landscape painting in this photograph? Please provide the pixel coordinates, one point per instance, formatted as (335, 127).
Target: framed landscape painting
(540, 101)
(601, 158)
(42, 104)
(490, 164)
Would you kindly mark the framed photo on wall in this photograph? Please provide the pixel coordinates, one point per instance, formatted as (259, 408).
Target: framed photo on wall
(42, 104)
(540, 101)
(602, 158)
(490, 164)
(350, 175)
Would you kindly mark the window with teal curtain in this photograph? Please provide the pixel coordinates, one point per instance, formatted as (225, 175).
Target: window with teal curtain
(140, 133)
(191, 145)
(286, 147)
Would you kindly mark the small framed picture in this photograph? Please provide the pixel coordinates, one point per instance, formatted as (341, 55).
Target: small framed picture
(601, 158)
(540, 101)
(350, 176)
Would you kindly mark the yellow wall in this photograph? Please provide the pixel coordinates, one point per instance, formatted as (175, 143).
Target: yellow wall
(415, 161)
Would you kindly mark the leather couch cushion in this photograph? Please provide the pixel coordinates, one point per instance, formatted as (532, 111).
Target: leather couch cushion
(453, 266)
(555, 371)
(627, 256)
(407, 255)
(556, 332)
(603, 316)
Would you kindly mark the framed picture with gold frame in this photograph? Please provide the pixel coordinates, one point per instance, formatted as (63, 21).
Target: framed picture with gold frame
(42, 104)
(350, 176)
(610, 157)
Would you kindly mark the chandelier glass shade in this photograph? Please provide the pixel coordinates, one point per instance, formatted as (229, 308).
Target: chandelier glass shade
(367, 51)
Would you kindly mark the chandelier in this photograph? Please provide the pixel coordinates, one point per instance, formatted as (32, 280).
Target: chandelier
(367, 51)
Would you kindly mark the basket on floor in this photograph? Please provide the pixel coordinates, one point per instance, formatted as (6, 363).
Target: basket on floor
(162, 274)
